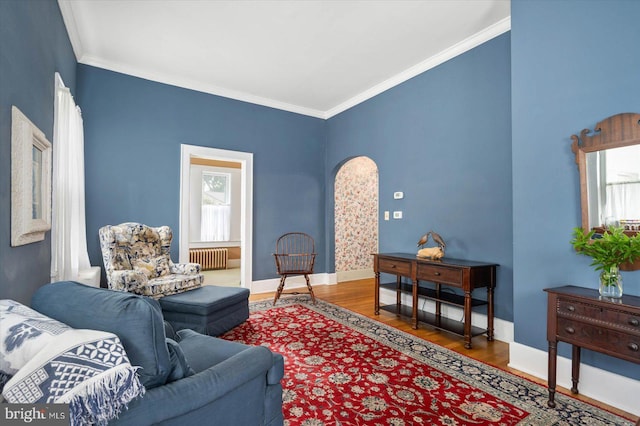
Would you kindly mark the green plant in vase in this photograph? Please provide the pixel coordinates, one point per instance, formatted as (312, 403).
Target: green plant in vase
(608, 251)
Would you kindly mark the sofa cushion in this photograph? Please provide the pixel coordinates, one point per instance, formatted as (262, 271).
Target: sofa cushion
(169, 332)
(169, 285)
(136, 320)
(179, 366)
(203, 352)
(152, 267)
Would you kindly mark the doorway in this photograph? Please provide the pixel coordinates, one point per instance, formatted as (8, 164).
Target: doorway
(356, 218)
(192, 157)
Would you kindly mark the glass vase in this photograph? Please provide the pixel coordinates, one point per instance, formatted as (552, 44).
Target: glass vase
(611, 282)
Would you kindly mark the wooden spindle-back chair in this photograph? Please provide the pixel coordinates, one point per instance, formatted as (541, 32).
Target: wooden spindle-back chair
(295, 255)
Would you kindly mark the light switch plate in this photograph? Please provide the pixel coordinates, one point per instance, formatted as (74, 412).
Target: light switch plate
(386, 215)
(398, 195)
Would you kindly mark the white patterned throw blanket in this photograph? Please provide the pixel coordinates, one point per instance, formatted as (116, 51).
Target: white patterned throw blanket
(45, 361)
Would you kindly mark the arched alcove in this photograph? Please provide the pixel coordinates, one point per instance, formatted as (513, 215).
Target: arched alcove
(356, 218)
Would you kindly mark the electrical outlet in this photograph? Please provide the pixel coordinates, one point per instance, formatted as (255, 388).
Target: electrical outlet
(397, 214)
(398, 195)
(386, 215)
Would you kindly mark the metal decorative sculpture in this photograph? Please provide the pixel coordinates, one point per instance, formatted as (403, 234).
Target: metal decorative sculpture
(434, 253)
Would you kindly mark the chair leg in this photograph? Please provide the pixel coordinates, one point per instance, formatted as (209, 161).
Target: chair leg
(313, 297)
(280, 287)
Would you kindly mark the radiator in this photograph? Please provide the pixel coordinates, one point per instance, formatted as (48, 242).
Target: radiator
(210, 258)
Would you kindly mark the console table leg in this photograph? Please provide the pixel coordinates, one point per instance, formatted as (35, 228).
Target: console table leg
(551, 373)
(438, 306)
(490, 313)
(398, 295)
(414, 310)
(575, 368)
(376, 295)
(467, 319)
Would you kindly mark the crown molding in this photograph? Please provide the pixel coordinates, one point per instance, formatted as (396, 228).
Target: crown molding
(465, 45)
(173, 80)
(69, 19)
(469, 43)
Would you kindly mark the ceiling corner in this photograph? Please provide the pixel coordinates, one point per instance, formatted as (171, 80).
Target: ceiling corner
(72, 28)
(500, 27)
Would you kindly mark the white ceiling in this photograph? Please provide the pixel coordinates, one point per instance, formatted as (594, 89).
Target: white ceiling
(317, 58)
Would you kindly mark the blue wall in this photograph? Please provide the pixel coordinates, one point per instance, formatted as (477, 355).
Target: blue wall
(574, 63)
(133, 132)
(444, 138)
(33, 46)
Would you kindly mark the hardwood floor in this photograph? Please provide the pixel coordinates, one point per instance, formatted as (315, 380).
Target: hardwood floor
(357, 296)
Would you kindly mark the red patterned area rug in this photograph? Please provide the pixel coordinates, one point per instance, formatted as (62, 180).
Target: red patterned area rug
(342, 368)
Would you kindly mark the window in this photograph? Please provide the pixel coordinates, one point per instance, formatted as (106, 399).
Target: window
(621, 176)
(215, 188)
(36, 183)
(215, 222)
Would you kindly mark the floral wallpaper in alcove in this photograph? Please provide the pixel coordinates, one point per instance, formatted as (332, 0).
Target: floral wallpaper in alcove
(356, 214)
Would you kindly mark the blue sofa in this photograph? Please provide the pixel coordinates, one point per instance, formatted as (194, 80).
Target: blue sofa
(190, 379)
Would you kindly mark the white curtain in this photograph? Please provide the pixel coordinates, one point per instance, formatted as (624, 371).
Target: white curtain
(623, 200)
(69, 256)
(215, 223)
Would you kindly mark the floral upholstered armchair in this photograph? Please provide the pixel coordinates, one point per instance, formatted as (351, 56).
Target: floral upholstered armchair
(137, 260)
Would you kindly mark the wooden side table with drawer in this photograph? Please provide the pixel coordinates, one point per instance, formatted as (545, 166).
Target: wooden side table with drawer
(580, 317)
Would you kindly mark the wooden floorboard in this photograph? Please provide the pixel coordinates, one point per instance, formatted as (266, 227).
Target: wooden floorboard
(357, 296)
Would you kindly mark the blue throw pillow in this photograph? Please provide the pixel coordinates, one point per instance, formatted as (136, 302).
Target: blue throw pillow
(179, 366)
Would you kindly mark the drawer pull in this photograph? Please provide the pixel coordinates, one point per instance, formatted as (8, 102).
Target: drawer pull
(570, 330)
(437, 274)
(634, 322)
(393, 266)
(571, 308)
(633, 346)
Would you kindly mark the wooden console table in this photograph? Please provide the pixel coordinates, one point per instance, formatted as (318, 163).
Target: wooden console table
(579, 316)
(463, 274)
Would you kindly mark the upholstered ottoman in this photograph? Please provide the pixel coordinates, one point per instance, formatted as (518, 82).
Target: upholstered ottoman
(211, 310)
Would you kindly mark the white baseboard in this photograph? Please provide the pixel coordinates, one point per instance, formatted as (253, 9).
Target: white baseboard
(271, 285)
(610, 388)
(360, 274)
(502, 330)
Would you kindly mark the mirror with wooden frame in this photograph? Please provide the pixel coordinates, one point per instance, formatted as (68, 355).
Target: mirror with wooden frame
(609, 166)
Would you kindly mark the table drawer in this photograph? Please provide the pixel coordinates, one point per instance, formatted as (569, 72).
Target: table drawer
(602, 339)
(618, 318)
(440, 274)
(397, 267)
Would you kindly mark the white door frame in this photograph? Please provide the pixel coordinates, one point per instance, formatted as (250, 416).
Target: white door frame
(246, 209)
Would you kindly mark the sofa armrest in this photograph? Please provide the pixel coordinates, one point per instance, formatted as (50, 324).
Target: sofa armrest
(184, 268)
(128, 280)
(201, 389)
(276, 372)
